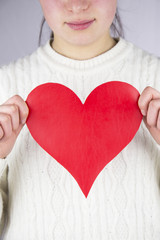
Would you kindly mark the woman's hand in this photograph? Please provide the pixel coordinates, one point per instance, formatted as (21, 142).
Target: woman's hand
(13, 115)
(149, 104)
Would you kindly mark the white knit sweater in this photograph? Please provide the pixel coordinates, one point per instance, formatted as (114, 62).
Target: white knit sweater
(44, 200)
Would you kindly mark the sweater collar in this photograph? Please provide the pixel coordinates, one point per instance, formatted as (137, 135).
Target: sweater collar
(106, 59)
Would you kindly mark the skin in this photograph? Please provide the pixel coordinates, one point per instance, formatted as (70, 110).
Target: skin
(78, 45)
(149, 104)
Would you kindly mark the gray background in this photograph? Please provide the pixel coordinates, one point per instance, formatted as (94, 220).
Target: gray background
(20, 25)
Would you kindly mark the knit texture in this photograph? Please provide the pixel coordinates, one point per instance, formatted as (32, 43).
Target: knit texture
(39, 199)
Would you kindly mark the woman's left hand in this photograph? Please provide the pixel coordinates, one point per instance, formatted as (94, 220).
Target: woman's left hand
(149, 104)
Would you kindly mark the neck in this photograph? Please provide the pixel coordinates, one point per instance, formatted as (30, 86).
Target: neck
(83, 52)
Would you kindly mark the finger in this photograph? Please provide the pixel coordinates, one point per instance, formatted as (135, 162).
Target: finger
(152, 113)
(23, 108)
(158, 121)
(5, 122)
(147, 95)
(1, 132)
(13, 111)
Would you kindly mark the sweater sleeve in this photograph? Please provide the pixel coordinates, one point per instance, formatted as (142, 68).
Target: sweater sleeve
(4, 88)
(3, 193)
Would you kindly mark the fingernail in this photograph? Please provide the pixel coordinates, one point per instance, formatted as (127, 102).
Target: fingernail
(143, 112)
(23, 121)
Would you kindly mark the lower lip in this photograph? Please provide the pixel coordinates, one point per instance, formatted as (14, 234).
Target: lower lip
(80, 26)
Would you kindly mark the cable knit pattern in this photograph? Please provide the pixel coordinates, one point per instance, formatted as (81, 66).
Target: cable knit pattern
(39, 199)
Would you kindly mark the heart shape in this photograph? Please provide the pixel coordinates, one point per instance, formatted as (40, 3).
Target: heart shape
(84, 138)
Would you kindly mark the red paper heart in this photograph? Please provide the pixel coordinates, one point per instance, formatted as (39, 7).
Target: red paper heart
(84, 138)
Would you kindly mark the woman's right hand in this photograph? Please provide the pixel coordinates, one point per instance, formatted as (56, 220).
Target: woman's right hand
(13, 115)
